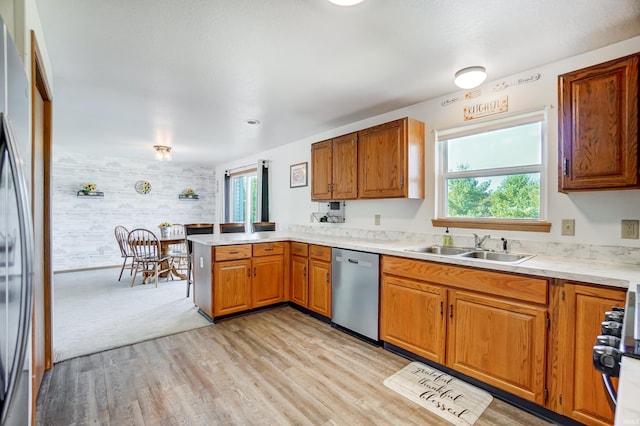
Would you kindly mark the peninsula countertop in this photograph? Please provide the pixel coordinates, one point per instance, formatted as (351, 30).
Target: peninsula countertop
(587, 271)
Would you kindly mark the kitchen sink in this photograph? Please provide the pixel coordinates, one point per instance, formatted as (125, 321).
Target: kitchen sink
(442, 250)
(498, 257)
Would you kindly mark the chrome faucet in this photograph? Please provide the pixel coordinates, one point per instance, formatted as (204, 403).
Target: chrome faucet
(478, 241)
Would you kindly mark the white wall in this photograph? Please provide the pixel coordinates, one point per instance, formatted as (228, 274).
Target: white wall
(83, 227)
(597, 215)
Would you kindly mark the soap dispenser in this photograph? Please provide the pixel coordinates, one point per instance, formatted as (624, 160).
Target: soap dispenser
(446, 240)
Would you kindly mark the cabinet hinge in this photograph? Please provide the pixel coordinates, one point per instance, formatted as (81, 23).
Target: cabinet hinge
(560, 399)
(546, 395)
(401, 182)
(563, 295)
(548, 322)
(565, 166)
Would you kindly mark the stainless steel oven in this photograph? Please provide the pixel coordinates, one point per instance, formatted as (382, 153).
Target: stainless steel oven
(620, 338)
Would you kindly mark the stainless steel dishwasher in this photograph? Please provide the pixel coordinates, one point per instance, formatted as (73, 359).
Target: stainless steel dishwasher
(355, 291)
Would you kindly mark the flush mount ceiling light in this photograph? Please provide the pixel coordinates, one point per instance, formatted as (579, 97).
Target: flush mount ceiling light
(346, 2)
(470, 77)
(163, 152)
(252, 122)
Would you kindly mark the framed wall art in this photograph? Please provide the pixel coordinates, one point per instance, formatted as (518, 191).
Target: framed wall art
(298, 175)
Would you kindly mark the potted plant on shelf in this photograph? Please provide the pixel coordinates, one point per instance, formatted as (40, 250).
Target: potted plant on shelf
(88, 187)
(189, 193)
(164, 229)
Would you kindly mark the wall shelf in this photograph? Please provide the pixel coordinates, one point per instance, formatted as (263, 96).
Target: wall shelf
(188, 197)
(90, 194)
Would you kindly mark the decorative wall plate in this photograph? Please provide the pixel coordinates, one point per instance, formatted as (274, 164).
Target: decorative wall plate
(143, 187)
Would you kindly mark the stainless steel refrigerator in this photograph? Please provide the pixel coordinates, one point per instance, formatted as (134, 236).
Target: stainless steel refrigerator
(16, 239)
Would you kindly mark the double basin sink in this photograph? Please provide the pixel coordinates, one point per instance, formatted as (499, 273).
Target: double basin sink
(472, 253)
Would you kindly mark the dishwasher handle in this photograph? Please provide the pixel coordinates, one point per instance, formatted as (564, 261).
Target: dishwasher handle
(354, 261)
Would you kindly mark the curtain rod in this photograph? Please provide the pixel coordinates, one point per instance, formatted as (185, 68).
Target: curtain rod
(249, 166)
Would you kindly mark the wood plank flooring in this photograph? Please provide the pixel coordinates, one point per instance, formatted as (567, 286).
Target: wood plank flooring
(277, 366)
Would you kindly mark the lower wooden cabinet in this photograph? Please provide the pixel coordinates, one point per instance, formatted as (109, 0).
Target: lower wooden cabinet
(299, 281)
(268, 274)
(582, 395)
(247, 277)
(493, 338)
(320, 280)
(232, 289)
(412, 316)
(498, 341)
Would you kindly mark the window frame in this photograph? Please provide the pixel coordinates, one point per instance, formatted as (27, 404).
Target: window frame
(442, 174)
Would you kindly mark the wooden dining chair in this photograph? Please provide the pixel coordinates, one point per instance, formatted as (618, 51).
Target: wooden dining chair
(148, 254)
(193, 229)
(122, 234)
(178, 252)
(263, 226)
(228, 228)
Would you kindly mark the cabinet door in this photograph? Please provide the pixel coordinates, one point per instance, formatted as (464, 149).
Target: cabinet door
(299, 286)
(381, 161)
(585, 397)
(321, 165)
(599, 126)
(412, 316)
(268, 280)
(499, 342)
(320, 287)
(344, 183)
(232, 287)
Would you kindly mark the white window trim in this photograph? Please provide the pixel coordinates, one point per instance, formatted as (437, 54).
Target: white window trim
(537, 115)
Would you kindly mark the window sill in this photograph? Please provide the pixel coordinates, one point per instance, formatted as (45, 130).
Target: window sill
(499, 224)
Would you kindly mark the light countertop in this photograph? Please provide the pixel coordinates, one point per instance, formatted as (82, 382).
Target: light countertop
(588, 271)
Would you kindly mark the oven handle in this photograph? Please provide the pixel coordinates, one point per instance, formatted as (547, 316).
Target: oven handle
(610, 390)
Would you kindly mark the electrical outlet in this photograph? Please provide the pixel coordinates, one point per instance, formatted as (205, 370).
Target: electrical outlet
(568, 227)
(629, 229)
(376, 220)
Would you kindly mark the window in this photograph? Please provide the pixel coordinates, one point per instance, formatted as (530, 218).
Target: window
(493, 172)
(243, 198)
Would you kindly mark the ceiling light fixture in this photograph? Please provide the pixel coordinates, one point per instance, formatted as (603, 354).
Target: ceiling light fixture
(346, 2)
(470, 77)
(252, 122)
(163, 152)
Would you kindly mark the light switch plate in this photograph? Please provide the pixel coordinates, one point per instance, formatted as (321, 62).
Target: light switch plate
(568, 227)
(376, 219)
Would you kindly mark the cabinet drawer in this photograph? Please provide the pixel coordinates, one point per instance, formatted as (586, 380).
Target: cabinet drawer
(266, 249)
(320, 253)
(299, 249)
(233, 252)
(519, 287)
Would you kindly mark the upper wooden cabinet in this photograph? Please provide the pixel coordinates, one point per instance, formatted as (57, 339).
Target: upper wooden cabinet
(391, 160)
(334, 167)
(598, 127)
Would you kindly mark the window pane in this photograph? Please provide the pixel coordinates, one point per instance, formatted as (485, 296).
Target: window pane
(509, 147)
(511, 197)
(239, 200)
(253, 182)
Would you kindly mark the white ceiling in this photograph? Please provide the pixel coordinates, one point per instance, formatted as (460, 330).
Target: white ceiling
(128, 74)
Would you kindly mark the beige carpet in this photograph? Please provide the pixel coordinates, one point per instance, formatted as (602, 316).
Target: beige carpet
(93, 311)
(450, 398)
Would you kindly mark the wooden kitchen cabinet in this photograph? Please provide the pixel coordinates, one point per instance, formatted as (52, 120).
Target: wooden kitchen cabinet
(320, 280)
(232, 289)
(598, 127)
(498, 341)
(299, 277)
(391, 160)
(582, 395)
(268, 274)
(334, 169)
(412, 316)
(494, 323)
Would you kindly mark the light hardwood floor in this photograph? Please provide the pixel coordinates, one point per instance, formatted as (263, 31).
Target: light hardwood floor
(278, 366)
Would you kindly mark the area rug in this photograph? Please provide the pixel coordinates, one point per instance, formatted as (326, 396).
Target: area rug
(448, 397)
(93, 311)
